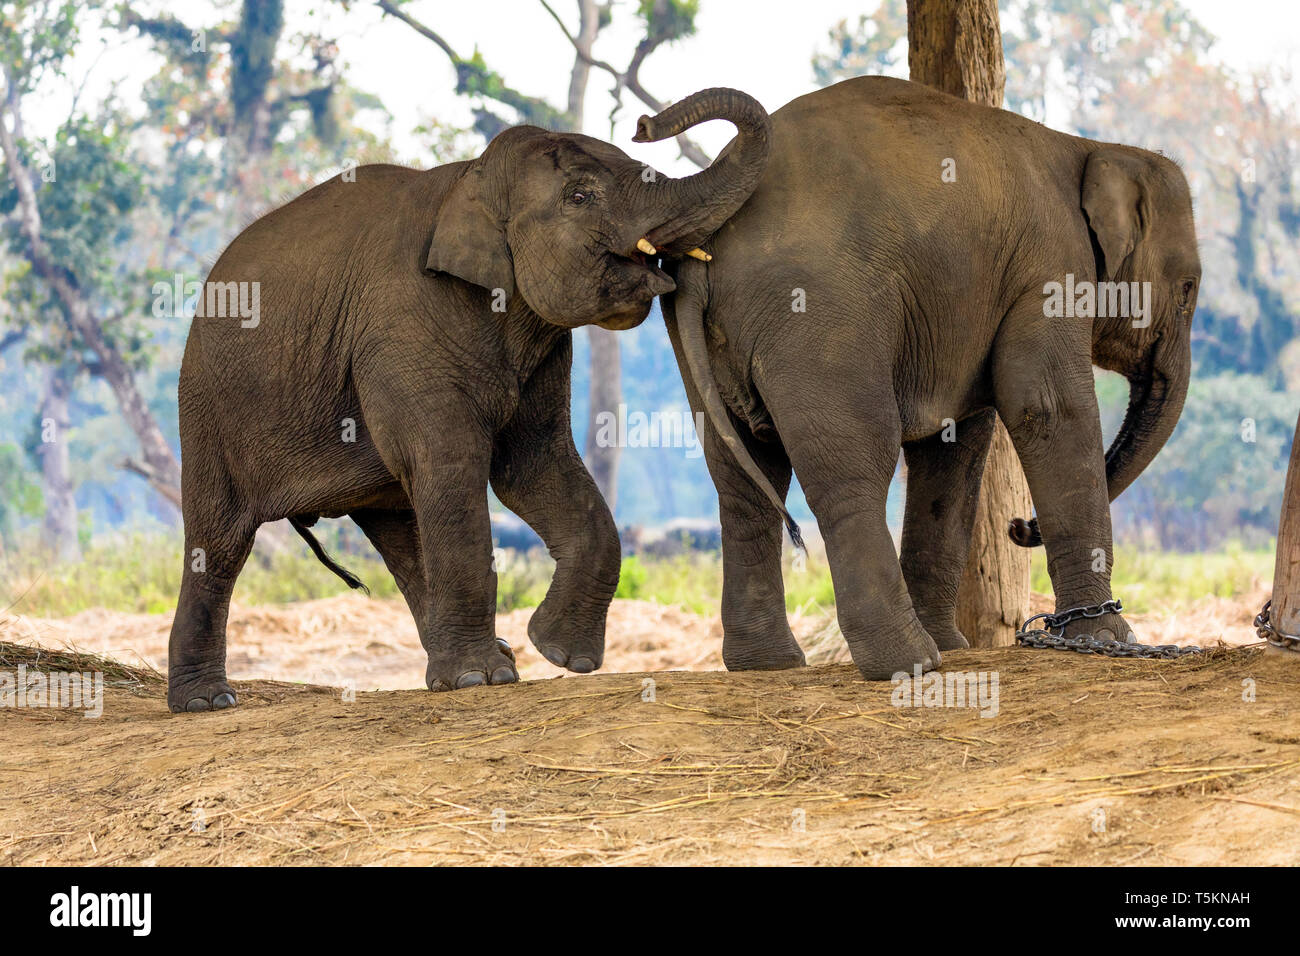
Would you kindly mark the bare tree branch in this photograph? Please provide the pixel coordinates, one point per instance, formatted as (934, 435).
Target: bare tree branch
(630, 79)
(474, 77)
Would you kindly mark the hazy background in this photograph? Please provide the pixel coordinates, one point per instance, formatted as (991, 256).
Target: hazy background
(158, 164)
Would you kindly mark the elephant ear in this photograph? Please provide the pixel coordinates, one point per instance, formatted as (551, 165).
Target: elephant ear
(1111, 200)
(469, 241)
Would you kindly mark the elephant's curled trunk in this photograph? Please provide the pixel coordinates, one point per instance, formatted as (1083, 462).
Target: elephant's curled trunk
(1157, 390)
(688, 306)
(701, 203)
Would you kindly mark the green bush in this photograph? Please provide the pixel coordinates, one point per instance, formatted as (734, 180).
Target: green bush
(141, 573)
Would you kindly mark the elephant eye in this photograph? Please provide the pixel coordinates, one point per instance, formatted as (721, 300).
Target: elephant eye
(579, 196)
(1185, 291)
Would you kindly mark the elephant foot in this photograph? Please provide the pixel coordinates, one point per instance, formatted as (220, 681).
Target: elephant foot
(771, 652)
(195, 695)
(568, 642)
(1107, 626)
(948, 639)
(881, 655)
(455, 669)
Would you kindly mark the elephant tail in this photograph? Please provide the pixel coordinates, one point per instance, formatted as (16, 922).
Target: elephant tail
(689, 308)
(304, 528)
(1025, 533)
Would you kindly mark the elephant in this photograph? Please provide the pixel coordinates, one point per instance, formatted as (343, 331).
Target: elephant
(897, 279)
(393, 341)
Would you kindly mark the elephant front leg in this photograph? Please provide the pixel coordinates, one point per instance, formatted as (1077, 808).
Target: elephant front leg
(1050, 410)
(538, 474)
(845, 459)
(455, 531)
(944, 473)
(549, 487)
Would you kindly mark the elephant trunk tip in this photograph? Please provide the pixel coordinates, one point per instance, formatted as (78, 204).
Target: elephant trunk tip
(1025, 533)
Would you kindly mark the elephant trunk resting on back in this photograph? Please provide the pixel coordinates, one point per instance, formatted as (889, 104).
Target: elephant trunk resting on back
(932, 243)
(411, 346)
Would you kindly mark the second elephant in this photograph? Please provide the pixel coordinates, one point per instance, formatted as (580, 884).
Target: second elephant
(910, 260)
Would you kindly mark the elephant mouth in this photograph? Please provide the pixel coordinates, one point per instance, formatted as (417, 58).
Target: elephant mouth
(645, 256)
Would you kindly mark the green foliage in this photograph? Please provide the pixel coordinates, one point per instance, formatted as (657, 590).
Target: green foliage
(84, 209)
(474, 78)
(140, 572)
(1222, 473)
(668, 20)
(1168, 581)
(877, 44)
(632, 577)
(35, 39)
(20, 495)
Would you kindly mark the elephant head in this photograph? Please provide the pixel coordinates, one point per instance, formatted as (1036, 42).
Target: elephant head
(574, 225)
(1139, 214)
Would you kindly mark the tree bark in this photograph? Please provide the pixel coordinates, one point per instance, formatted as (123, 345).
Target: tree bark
(606, 392)
(606, 388)
(1285, 611)
(956, 46)
(59, 530)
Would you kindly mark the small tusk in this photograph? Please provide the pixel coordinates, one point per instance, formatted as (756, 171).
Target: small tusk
(700, 254)
(644, 245)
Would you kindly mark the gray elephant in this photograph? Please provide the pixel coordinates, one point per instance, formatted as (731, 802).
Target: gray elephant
(910, 265)
(394, 340)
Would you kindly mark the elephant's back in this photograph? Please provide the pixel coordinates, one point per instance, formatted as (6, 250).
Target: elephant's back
(314, 267)
(876, 164)
(316, 259)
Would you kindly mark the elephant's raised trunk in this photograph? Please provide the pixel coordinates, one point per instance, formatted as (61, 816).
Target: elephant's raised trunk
(1157, 390)
(698, 205)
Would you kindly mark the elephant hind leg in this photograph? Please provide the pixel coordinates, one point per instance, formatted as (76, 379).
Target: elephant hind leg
(396, 536)
(944, 473)
(217, 543)
(844, 450)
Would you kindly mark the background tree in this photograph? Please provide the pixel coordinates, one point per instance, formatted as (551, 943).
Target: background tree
(956, 46)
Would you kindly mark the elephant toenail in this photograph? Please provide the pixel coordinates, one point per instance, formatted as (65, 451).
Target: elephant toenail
(197, 705)
(504, 675)
(555, 656)
(505, 647)
(222, 701)
(582, 665)
(471, 679)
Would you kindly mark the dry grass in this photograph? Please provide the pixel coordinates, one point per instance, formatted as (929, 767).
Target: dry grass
(812, 766)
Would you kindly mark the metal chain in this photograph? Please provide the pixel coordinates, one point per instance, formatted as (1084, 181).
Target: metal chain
(1042, 637)
(1265, 629)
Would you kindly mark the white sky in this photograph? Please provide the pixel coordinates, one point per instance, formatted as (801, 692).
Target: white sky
(754, 45)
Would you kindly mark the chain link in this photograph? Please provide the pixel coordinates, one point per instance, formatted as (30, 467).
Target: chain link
(1042, 637)
(1266, 631)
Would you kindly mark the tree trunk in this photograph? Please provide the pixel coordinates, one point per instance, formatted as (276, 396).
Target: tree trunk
(606, 389)
(59, 531)
(249, 139)
(956, 46)
(1285, 611)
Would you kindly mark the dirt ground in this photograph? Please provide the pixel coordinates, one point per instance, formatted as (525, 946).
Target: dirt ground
(1087, 761)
